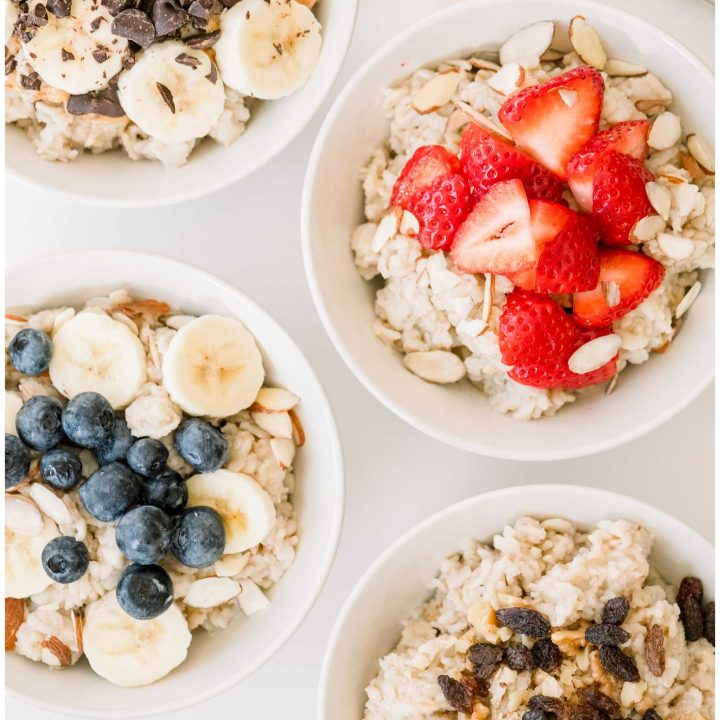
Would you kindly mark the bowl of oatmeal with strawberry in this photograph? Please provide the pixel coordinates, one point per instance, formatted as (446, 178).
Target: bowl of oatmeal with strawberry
(533, 223)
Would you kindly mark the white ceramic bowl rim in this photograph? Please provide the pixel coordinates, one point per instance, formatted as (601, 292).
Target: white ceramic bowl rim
(314, 283)
(333, 538)
(584, 494)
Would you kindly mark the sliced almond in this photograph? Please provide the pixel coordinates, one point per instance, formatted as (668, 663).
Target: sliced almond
(461, 306)
(528, 44)
(59, 649)
(277, 424)
(586, 42)
(594, 354)
(484, 122)
(298, 432)
(652, 106)
(699, 149)
(675, 246)
(387, 229)
(482, 64)
(22, 515)
(50, 504)
(569, 97)
(691, 166)
(648, 228)
(211, 591)
(673, 179)
(14, 617)
(620, 68)
(76, 615)
(271, 399)
(409, 224)
(151, 308)
(436, 92)
(177, 321)
(660, 198)
(251, 599)
(488, 297)
(665, 132)
(473, 328)
(508, 80)
(612, 384)
(552, 55)
(437, 366)
(284, 452)
(688, 300)
(456, 121)
(229, 565)
(611, 291)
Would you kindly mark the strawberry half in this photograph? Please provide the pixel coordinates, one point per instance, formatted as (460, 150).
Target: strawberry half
(426, 165)
(619, 196)
(554, 119)
(628, 138)
(626, 279)
(440, 209)
(496, 236)
(487, 159)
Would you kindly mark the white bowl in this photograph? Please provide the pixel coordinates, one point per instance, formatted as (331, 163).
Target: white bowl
(397, 582)
(459, 415)
(112, 179)
(215, 661)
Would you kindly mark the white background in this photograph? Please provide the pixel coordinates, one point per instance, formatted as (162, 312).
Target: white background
(249, 234)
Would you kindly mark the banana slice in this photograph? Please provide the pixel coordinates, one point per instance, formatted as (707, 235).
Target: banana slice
(132, 652)
(213, 367)
(77, 53)
(13, 402)
(24, 573)
(268, 48)
(11, 15)
(247, 511)
(93, 352)
(172, 92)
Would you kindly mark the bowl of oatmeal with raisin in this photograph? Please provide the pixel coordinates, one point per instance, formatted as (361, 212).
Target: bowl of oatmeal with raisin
(528, 222)
(173, 489)
(537, 602)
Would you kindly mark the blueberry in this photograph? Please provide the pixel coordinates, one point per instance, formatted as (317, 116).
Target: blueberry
(39, 424)
(116, 446)
(201, 445)
(65, 559)
(61, 468)
(88, 420)
(166, 491)
(17, 461)
(144, 591)
(30, 351)
(147, 457)
(143, 534)
(110, 491)
(198, 537)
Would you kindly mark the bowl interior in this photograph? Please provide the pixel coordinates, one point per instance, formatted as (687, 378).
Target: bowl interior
(645, 396)
(113, 179)
(215, 661)
(397, 583)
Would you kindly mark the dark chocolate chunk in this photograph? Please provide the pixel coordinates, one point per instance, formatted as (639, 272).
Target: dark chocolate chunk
(40, 15)
(202, 41)
(212, 75)
(485, 654)
(618, 664)
(457, 695)
(547, 655)
(96, 23)
(229, 3)
(101, 55)
(117, 6)
(31, 81)
(168, 16)
(134, 25)
(606, 635)
(10, 64)
(102, 102)
(524, 620)
(166, 95)
(519, 658)
(189, 60)
(199, 11)
(66, 55)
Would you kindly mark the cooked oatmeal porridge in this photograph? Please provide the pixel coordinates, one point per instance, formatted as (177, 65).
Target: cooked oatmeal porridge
(453, 303)
(149, 483)
(550, 622)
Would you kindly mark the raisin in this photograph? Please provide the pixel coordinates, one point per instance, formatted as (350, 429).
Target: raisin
(476, 686)
(618, 664)
(547, 655)
(534, 715)
(615, 611)
(483, 672)
(525, 621)
(549, 705)
(519, 658)
(651, 715)
(583, 711)
(457, 695)
(655, 650)
(592, 696)
(709, 622)
(692, 618)
(485, 654)
(689, 587)
(606, 635)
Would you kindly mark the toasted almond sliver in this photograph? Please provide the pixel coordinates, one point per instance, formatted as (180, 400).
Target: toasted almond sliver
(22, 515)
(620, 68)
(387, 229)
(660, 198)
(691, 166)
(569, 97)
(508, 80)
(482, 64)
(277, 424)
(455, 123)
(688, 300)
(594, 354)
(648, 228)
(153, 308)
(552, 55)
(272, 399)
(652, 106)
(284, 452)
(488, 297)
(15, 318)
(612, 384)
(14, 617)
(436, 92)
(528, 44)
(50, 504)
(211, 591)
(586, 42)
(675, 246)
(484, 122)
(59, 649)
(699, 149)
(298, 432)
(409, 224)
(665, 132)
(437, 366)
(76, 615)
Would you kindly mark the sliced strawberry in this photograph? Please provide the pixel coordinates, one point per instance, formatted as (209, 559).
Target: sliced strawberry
(619, 196)
(487, 159)
(628, 138)
(496, 236)
(626, 279)
(440, 209)
(554, 119)
(426, 164)
(558, 375)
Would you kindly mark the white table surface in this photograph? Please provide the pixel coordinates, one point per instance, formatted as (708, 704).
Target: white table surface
(249, 234)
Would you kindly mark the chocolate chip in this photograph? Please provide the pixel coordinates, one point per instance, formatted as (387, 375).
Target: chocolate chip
(134, 25)
(615, 611)
(102, 102)
(212, 75)
(618, 664)
(189, 60)
(66, 55)
(458, 697)
(101, 55)
(168, 16)
(524, 620)
(485, 654)
(10, 64)
(31, 81)
(519, 658)
(547, 655)
(203, 40)
(116, 6)
(128, 61)
(606, 635)
(166, 95)
(709, 621)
